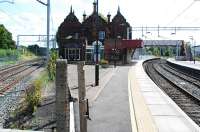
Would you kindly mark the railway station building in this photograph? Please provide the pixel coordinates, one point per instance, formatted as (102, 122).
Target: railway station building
(77, 40)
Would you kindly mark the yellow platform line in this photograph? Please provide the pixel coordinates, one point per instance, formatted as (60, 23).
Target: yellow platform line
(141, 118)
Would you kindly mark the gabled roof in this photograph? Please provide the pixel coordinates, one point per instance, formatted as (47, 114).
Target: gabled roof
(69, 26)
(92, 19)
(71, 18)
(118, 17)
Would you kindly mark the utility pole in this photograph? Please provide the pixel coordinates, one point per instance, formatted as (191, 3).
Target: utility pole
(97, 49)
(48, 24)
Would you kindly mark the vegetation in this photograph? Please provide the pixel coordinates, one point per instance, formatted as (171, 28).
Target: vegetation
(18, 118)
(12, 56)
(153, 51)
(6, 41)
(51, 66)
(33, 96)
(103, 62)
(157, 51)
(33, 48)
(9, 53)
(197, 58)
(168, 52)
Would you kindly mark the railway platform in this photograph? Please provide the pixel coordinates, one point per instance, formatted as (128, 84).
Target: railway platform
(151, 110)
(189, 64)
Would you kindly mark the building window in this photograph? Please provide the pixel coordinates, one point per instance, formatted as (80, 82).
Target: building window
(73, 54)
(76, 35)
(102, 35)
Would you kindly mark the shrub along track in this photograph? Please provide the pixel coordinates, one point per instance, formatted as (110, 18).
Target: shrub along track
(184, 89)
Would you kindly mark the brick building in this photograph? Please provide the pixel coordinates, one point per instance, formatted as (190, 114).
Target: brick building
(77, 40)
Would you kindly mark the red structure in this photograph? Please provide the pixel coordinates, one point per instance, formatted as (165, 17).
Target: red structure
(121, 50)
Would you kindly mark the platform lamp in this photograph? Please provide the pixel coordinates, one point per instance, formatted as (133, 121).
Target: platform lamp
(193, 43)
(97, 48)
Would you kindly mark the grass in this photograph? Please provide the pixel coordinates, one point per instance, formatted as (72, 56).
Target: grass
(44, 78)
(27, 56)
(9, 57)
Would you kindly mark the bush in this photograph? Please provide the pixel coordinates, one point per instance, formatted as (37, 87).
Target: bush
(103, 62)
(2, 53)
(9, 53)
(51, 67)
(33, 95)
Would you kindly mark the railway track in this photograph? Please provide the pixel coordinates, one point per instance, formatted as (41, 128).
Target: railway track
(14, 81)
(183, 89)
(20, 63)
(10, 76)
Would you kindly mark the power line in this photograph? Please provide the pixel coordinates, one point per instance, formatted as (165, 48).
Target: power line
(10, 16)
(4, 1)
(182, 12)
(165, 28)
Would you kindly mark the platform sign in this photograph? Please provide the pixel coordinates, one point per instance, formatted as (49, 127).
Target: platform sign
(99, 50)
(115, 54)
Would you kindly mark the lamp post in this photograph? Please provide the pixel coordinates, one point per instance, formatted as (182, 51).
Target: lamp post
(48, 24)
(97, 49)
(174, 33)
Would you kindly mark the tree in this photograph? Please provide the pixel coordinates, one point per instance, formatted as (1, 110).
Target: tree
(6, 41)
(34, 49)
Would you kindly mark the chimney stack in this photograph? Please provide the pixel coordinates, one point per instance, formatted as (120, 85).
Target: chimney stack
(108, 16)
(84, 16)
(95, 7)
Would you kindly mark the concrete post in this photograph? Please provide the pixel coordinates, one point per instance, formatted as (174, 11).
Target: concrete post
(81, 94)
(62, 97)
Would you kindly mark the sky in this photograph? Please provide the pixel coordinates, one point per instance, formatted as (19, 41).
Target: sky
(29, 16)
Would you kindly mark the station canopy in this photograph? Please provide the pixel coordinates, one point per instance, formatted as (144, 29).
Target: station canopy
(162, 42)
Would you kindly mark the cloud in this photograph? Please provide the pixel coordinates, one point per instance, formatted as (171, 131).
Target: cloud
(26, 23)
(3, 17)
(24, 1)
(29, 17)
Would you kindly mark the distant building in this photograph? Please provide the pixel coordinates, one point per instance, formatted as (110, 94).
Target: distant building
(77, 40)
